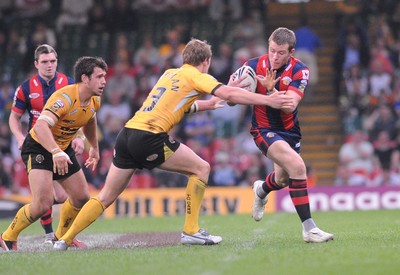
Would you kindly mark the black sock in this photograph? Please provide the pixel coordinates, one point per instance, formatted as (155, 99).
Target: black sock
(298, 193)
(47, 221)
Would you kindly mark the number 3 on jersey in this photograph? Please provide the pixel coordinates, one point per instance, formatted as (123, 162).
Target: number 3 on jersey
(155, 98)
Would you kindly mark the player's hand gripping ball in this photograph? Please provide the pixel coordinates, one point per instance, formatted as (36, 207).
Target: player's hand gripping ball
(250, 77)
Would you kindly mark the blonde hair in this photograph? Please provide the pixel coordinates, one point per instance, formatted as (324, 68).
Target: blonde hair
(196, 52)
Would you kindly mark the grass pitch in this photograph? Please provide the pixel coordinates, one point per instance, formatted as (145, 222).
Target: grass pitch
(366, 242)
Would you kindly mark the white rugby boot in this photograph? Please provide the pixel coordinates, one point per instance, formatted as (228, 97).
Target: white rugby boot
(316, 235)
(201, 237)
(259, 203)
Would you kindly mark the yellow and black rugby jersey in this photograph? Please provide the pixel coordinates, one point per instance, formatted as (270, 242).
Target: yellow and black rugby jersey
(65, 104)
(171, 97)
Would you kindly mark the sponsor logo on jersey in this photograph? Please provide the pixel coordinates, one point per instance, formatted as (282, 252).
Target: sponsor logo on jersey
(286, 80)
(73, 112)
(306, 74)
(171, 140)
(39, 158)
(36, 113)
(270, 135)
(152, 157)
(34, 95)
(303, 84)
(57, 105)
(69, 121)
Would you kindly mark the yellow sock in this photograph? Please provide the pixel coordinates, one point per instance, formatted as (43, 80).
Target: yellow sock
(194, 197)
(21, 221)
(88, 214)
(67, 216)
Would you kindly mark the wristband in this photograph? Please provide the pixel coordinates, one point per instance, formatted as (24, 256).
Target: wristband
(82, 137)
(61, 154)
(55, 150)
(194, 108)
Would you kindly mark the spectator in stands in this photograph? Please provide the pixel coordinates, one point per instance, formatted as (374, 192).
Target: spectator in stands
(251, 48)
(384, 149)
(224, 173)
(121, 82)
(354, 102)
(382, 118)
(5, 139)
(307, 44)
(113, 115)
(121, 51)
(97, 18)
(222, 66)
(380, 82)
(171, 49)
(357, 163)
(147, 55)
(73, 13)
(32, 9)
(7, 183)
(201, 127)
(152, 5)
(41, 34)
(228, 122)
(121, 17)
(348, 9)
(146, 81)
(99, 178)
(225, 10)
(14, 53)
(352, 48)
(355, 81)
(7, 92)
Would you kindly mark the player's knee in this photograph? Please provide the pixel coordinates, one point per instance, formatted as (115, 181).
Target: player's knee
(79, 202)
(282, 181)
(297, 170)
(60, 198)
(203, 170)
(43, 206)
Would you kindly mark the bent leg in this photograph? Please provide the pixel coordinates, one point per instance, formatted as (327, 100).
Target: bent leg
(293, 170)
(86, 216)
(41, 186)
(116, 182)
(78, 192)
(47, 219)
(185, 161)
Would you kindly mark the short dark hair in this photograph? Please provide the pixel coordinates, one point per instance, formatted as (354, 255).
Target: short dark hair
(85, 66)
(44, 49)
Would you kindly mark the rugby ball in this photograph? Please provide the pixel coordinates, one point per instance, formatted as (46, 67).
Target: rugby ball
(250, 77)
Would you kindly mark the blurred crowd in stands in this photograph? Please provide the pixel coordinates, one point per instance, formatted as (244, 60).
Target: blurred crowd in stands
(367, 66)
(140, 39)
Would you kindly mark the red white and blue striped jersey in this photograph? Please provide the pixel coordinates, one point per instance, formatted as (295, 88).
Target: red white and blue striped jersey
(33, 94)
(294, 76)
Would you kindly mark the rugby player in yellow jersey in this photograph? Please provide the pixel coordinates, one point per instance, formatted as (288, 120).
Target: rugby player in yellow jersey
(48, 154)
(144, 141)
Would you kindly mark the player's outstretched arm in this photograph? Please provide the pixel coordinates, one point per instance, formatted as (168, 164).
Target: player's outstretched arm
(241, 96)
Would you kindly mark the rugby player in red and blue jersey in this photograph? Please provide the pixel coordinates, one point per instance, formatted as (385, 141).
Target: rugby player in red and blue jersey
(31, 97)
(276, 132)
